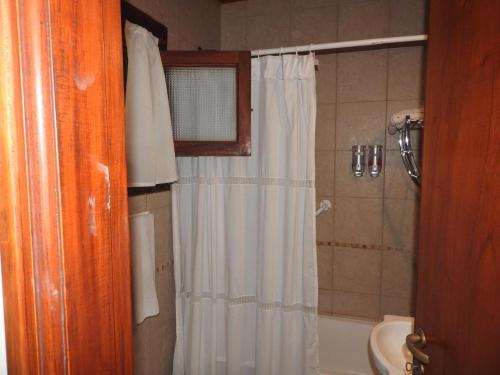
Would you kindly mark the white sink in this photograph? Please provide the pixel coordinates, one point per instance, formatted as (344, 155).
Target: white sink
(387, 344)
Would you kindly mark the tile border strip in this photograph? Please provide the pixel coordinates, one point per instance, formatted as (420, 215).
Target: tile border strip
(359, 246)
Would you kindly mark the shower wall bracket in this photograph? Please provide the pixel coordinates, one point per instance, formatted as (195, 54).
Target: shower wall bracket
(324, 205)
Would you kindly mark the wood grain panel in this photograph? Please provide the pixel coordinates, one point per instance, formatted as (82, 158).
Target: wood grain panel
(458, 299)
(120, 257)
(67, 184)
(20, 321)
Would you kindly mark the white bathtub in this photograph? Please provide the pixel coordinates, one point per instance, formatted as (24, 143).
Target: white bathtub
(343, 346)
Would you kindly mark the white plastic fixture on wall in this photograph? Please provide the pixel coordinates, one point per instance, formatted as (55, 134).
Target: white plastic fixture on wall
(324, 205)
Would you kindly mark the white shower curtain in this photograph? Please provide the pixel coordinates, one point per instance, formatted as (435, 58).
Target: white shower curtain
(245, 242)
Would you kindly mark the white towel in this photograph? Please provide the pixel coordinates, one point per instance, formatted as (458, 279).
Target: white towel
(150, 145)
(142, 241)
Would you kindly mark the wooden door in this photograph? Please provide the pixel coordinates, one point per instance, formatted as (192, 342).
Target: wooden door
(458, 292)
(63, 202)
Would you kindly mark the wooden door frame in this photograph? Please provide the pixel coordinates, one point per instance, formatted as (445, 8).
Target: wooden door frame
(63, 206)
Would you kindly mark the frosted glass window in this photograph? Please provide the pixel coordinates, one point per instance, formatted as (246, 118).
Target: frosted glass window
(203, 103)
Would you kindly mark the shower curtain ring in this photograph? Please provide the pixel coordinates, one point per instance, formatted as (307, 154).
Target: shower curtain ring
(296, 51)
(310, 48)
(281, 51)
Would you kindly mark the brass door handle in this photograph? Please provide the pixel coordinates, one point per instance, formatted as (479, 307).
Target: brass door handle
(416, 341)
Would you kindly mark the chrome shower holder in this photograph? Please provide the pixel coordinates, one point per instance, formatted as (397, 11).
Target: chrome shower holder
(407, 153)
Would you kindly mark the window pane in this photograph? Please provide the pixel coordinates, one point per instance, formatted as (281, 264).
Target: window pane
(202, 103)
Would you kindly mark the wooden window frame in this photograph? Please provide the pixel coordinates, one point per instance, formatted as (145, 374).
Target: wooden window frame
(239, 60)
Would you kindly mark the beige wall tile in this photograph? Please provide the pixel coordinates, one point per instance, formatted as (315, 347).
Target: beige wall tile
(395, 106)
(356, 304)
(191, 23)
(363, 19)
(161, 359)
(189, 20)
(325, 301)
(268, 31)
(170, 349)
(358, 220)
(325, 161)
(172, 42)
(401, 223)
(210, 28)
(362, 76)
(408, 17)
(162, 11)
(185, 44)
(325, 267)
(347, 185)
(137, 204)
(168, 293)
(233, 10)
(325, 127)
(312, 3)
(169, 16)
(396, 306)
(324, 222)
(165, 285)
(398, 274)
(163, 235)
(406, 73)
(326, 79)
(157, 200)
(314, 25)
(360, 123)
(141, 342)
(263, 7)
(357, 270)
(398, 184)
(233, 33)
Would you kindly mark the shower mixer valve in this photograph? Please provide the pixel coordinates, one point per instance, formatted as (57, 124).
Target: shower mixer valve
(374, 160)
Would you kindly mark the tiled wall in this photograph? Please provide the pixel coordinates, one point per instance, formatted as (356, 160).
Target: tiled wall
(366, 252)
(154, 339)
(191, 24)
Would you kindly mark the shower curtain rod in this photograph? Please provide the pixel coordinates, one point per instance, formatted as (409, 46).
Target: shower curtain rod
(340, 45)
